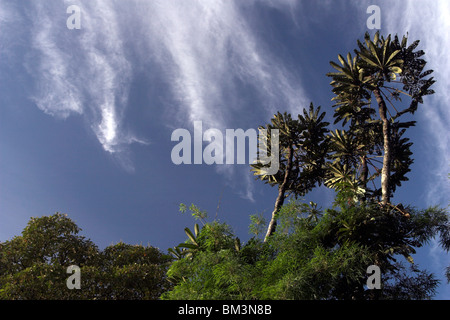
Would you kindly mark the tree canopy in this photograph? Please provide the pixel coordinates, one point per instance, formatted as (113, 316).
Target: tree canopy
(34, 265)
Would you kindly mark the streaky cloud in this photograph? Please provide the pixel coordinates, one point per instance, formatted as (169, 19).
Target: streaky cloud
(205, 49)
(87, 73)
(428, 21)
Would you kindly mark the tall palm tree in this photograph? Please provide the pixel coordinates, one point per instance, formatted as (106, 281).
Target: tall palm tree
(302, 152)
(383, 69)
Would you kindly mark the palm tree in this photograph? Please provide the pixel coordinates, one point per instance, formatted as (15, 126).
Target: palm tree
(383, 69)
(302, 152)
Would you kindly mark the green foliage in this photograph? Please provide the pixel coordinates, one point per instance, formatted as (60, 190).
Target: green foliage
(257, 224)
(213, 270)
(314, 254)
(409, 284)
(132, 272)
(33, 265)
(196, 213)
(210, 275)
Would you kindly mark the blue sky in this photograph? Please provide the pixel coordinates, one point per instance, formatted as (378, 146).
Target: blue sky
(86, 116)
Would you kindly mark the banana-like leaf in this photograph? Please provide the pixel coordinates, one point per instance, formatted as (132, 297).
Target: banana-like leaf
(174, 253)
(196, 229)
(368, 60)
(237, 244)
(191, 236)
(376, 38)
(396, 69)
(392, 56)
(374, 52)
(336, 66)
(188, 246)
(341, 59)
(349, 60)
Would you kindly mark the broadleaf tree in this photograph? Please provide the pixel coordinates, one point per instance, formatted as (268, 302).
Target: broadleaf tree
(34, 265)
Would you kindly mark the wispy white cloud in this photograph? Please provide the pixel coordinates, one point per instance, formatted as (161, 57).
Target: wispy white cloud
(86, 73)
(57, 95)
(207, 49)
(427, 21)
(8, 36)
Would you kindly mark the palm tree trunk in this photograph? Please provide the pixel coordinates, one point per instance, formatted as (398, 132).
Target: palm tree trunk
(281, 194)
(364, 174)
(386, 170)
